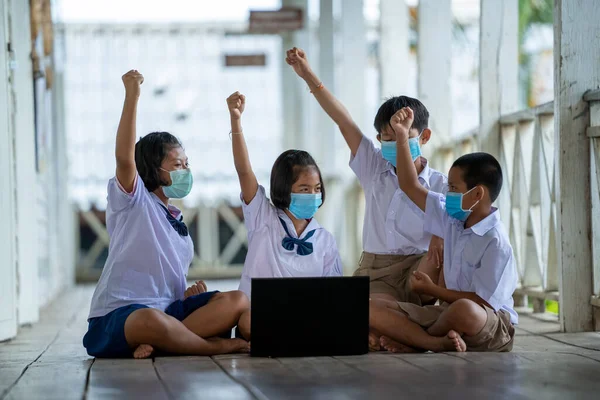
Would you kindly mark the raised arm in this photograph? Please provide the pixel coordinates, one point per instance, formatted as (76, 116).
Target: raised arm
(296, 58)
(405, 168)
(248, 183)
(125, 144)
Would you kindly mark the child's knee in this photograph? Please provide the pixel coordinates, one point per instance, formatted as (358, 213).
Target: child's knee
(149, 320)
(376, 310)
(238, 300)
(467, 316)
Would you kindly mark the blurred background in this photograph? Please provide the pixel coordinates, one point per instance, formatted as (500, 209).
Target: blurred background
(187, 54)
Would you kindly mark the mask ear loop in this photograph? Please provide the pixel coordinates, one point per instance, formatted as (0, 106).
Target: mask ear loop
(477, 202)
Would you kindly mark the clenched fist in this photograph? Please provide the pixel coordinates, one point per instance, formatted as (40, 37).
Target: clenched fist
(132, 81)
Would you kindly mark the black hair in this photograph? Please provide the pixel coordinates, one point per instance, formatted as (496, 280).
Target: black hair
(481, 169)
(150, 151)
(393, 104)
(285, 172)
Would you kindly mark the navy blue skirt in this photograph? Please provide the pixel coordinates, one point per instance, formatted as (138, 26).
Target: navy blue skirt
(106, 335)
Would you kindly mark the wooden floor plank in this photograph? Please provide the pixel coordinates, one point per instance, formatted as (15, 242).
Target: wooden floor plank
(542, 365)
(124, 379)
(60, 381)
(313, 378)
(535, 343)
(187, 377)
(539, 374)
(9, 374)
(586, 340)
(341, 379)
(33, 341)
(538, 323)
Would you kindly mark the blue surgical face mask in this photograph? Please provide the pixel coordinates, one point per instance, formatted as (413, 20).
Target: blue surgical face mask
(454, 206)
(305, 205)
(389, 152)
(181, 183)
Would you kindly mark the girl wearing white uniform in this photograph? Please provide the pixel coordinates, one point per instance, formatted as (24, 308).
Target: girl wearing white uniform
(284, 240)
(141, 302)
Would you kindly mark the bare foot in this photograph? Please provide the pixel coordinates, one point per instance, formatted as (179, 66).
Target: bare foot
(453, 342)
(143, 351)
(395, 347)
(374, 342)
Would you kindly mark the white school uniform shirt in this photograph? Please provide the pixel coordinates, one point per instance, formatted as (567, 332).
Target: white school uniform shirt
(391, 225)
(478, 259)
(267, 258)
(148, 260)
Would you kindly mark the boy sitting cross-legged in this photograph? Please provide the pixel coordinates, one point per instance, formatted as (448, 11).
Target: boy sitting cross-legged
(479, 275)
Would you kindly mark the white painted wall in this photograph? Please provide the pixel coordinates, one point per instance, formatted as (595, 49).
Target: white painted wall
(8, 315)
(36, 234)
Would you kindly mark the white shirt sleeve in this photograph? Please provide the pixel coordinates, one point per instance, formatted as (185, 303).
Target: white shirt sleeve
(496, 278)
(259, 212)
(119, 199)
(436, 218)
(366, 162)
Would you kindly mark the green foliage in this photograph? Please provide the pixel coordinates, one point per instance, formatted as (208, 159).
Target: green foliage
(531, 12)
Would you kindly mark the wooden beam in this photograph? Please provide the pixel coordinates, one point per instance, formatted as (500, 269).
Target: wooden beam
(353, 63)
(25, 172)
(575, 22)
(434, 55)
(528, 114)
(498, 69)
(326, 134)
(295, 99)
(592, 95)
(593, 131)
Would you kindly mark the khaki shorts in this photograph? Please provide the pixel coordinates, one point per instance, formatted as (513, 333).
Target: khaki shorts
(390, 274)
(497, 334)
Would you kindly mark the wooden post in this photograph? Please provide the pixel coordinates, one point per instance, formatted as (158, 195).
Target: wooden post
(295, 99)
(64, 205)
(434, 54)
(576, 56)
(353, 63)
(394, 47)
(25, 169)
(498, 69)
(326, 132)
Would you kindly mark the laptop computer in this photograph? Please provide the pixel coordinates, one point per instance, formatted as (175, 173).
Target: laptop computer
(305, 317)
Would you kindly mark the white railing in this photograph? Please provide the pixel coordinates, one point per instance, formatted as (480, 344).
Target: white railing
(217, 250)
(593, 132)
